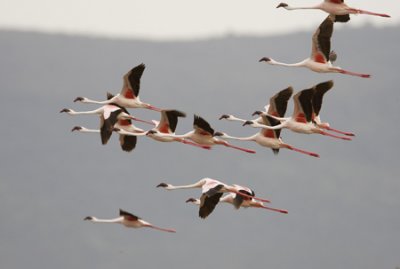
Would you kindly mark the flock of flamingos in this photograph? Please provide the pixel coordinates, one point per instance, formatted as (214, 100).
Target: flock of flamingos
(114, 117)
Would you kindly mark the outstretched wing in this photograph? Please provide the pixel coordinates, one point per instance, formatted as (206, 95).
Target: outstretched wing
(127, 142)
(128, 216)
(169, 120)
(321, 41)
(278, 102)
(319, 91)
(208, 204)
(131, 86)
(201, 126)
(303, 105)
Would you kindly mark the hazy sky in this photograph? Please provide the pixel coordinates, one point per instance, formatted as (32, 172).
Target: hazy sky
(174, 18)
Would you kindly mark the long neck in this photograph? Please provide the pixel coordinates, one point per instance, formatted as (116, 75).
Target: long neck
(299, 64)
(116, 220)
(198, 184)
(248, 138)
(174, 135)
(233, 118)
(295, 8)
(85, 130)
(90, 112)
(276, 127)
(90, 101)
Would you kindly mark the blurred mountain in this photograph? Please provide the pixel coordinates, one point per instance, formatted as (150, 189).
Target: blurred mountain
(343, 207)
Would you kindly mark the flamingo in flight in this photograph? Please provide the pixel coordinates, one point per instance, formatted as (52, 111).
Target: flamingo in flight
(167, 125)
(270, 138)
(129, 220)
(203, 134)
(301, 119)
(321, 56)
(335, 7)
(212, 190)
(109, 115)
(319, 91)
(238, 201)
(129, 95)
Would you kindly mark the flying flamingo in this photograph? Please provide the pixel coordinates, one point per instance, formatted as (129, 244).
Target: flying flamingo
(109, 116)
(129, 95)
(167, 125)
(319, 91)
(203, 134)
(129, 220)
(301, 119)
(335, 7)
(321, 58)
(238, 201)
(269, 138)
(212, 191)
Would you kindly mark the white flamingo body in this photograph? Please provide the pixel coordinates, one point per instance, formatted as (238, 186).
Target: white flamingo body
(128, 220)
(335, 7)
(301, 120)
(321, 55)
(203, 134)
(129, 95)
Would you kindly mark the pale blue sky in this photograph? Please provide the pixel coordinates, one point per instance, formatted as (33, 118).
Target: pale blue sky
(172, 19)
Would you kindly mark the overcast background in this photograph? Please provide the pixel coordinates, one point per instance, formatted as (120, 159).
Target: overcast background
(343, 207)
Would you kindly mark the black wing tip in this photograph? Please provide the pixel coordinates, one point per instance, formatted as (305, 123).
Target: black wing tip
(176, 113)
(282, 5)
(275, 151)
(342, 18)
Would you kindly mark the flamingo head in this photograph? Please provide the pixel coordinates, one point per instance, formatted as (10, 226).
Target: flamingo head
(80, 99)
(282, 5)
(191, 200)
(218, 134)
(66, 110)
(77, 128)
(225, 116)
(249, 122)
(258, 112)
(89, 218)
(265, 59)
(151, 132)
(165, 186)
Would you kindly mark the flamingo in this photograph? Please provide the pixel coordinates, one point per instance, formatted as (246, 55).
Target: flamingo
(129, 220)
(109, 115)
(238, 201)
(320, 90)
(166, 125)
(321, 57)
(212, 191)
(301, 119)
(269, 138)
(335, 7)
(203, 134)
(129, 95)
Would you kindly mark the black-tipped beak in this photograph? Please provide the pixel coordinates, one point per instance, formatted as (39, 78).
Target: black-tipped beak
(162, 185)
(282, 5)
(224, 117)
(218, 134)
(257, 113)
(76, 128)
(151, 132)
(265, 59)
(78, 99)
(249, 122)
(65, 110)
(190, 200)
(88, 218)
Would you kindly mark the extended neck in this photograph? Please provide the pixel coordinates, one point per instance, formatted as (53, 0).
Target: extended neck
(198, 184)
(116, 220)
(295, 8)
(299, 64)
(248, 138)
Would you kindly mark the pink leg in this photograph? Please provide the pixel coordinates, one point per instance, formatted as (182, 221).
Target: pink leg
(302, 151)
(154, 108)
(251, 197)
(184, 141)
(353, 73)
(226, 144)
(144, 121)
(275, 209)
(162, 229)
(335, 136)
(359, 11)
(339, 132)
